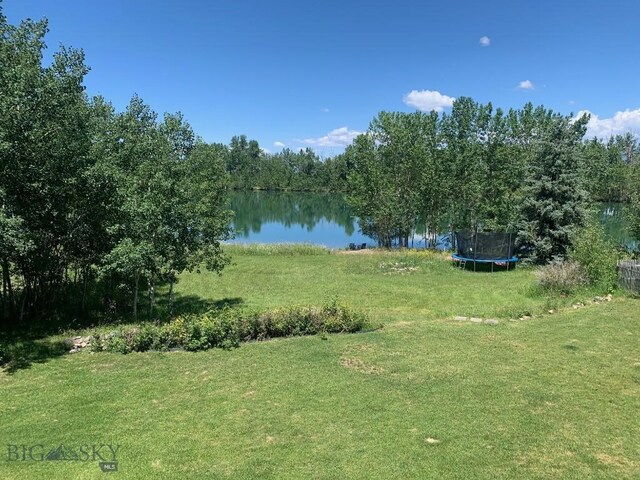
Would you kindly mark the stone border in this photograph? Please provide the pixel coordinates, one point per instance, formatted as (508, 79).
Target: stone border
(491, 321)
(477, 320)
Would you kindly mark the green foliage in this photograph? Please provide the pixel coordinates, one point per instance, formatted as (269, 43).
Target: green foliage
(632, 209)
(302, 170)
(227, 328)
(597, 256)
(87, 192)
(394, 174)
(561, 276)
(553, 205)
(603, 170)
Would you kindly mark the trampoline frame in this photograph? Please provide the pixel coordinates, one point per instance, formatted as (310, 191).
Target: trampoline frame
(463, 261)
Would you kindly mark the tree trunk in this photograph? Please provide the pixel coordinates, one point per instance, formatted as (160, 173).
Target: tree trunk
(171, 298)
(150, 290)
(84, 289)
(135, 297)
(5, 289)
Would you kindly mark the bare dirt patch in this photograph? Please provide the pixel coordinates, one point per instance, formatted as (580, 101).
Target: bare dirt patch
(616, 461)
(366, 251)
(358, 365)
(360, 347)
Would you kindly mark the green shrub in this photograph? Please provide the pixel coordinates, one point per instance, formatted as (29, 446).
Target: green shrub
(561, 276)
(209, 331)
(174, 334)
(227, 328)
(144, 338)
(117, 342)
(597, 255)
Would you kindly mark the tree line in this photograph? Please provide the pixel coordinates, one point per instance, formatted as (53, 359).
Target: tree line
(253, 168)
(527, 171)
(96, 206)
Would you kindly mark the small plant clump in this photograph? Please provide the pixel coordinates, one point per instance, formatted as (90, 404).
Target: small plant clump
(398, 267)
(227, 328)
(562, 276)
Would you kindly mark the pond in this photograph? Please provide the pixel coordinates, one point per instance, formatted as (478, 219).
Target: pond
(295, 217)
(326, 219)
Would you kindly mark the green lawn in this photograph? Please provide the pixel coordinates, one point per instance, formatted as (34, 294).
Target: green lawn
(557, 396)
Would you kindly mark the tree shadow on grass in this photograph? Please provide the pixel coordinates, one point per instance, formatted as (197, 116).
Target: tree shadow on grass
(193, 305)
(25, 344)
(24, 353)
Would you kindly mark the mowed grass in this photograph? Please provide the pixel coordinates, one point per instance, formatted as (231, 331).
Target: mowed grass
(389, 285)
(556, 396)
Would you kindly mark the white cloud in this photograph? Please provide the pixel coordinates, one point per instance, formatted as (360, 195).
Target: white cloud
(279, 144)
(526, 85)
(339, 137)
(265, 150)
(324, 110)
(485, 41)
(427, 100)
(619, 124)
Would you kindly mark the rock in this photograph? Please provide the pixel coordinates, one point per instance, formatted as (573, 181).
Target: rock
(608, 298)
(551, 311)
(525, 317)
(460, 319)
(598, 299)
(77, 343)
(491, 321)
(476, 320)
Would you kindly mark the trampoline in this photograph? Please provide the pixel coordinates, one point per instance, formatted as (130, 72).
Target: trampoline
(495, 248)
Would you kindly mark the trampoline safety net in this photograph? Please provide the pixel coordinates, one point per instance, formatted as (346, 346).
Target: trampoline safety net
(485, 245)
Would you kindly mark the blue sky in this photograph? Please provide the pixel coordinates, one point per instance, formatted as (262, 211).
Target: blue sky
(300, 74)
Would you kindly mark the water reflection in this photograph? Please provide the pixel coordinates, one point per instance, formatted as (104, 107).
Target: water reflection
(289, 209)
(319, 218)
(326, 219)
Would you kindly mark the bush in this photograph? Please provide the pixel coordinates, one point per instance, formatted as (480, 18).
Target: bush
(561, 276)
(597, 256)
(227, 328)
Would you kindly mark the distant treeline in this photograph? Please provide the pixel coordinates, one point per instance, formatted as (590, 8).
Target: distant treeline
(252, 168)
(602, 166)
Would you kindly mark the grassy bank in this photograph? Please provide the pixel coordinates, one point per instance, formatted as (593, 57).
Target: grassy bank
(388, 285)
(556, 396)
